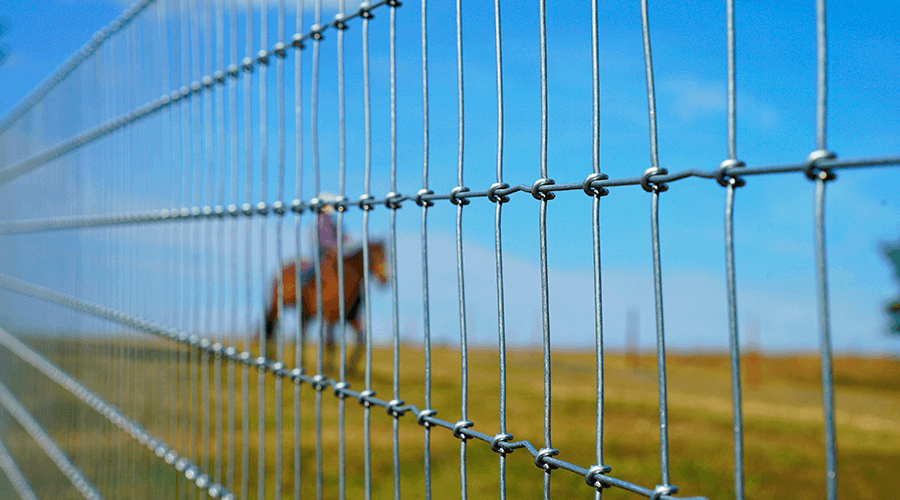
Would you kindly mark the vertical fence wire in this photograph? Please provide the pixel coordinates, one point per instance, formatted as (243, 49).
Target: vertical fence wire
(121, 337)
(124, 275)
(825, 343)
(103, 261)
(184, 200)
(173, 58)
(298, 333)
(152, 148)
(426, 317)
(108, 262)
(463, 340)
(207, 185)
(147, 146)
(233, 138)
(367, 444)
(279, 253)
(542, 235)
(96, 259)
(732, 184)
(129, 257)
(498, 252)
(738, 428)
(220, 269)
(660, 342)
(195, 145)
(317, 243)
(263, 244)
(595, 230)
(196, 128)
(821, 265)
(248, 242)
(395, 316)
(657, 270)
(167, 60)
(342, 314)
(109, 267)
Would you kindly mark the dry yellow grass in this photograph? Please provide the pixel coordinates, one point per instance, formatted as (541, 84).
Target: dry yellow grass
(782, 414)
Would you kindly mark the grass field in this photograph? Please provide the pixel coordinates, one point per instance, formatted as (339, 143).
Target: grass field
(782, 415)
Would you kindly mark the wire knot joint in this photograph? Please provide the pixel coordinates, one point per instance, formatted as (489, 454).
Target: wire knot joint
(661, 490)
(814, 171)
(316, 31)
(365, 10)
(420, 198)
(458, 429)
(340, 22)
(261, 363)
(340, 389)
(297, 41)
(364, 397)
(542, 454)
(366, 202)
(498, 192)
(650, 186)
(590, 477)
(590, 189)
(542, 195)
(423, 415)
(722, 176)
(395, 408)
(296, 375)
(501, 438)
(392, 200)
(454, 196)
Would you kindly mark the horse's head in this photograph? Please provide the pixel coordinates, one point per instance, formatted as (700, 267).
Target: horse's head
(378, 262)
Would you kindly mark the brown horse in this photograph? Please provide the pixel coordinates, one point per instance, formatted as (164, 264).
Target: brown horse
(353, 294)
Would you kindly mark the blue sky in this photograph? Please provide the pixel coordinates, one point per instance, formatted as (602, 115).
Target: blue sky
(776, 119)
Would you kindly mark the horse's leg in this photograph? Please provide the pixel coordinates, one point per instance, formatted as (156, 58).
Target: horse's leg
(329, 346)
(360, 346)
(301, 362)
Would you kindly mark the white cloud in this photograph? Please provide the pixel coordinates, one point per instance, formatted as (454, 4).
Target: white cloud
(691, 97)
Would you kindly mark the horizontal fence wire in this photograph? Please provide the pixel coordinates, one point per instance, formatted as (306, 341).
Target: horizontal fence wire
(66, 69)
(183, 94)
(496, 193)
(47, 443)
(115, 416)
(12, 471)
(499, 443)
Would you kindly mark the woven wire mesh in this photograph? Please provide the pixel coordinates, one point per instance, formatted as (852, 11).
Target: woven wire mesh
(176, 298)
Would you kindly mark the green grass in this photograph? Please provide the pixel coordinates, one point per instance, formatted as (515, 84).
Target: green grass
(782, 414)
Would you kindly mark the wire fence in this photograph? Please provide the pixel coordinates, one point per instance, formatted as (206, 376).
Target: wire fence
(176, 311)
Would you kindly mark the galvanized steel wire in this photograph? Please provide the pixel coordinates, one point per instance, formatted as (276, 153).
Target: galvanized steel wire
(12, 471)
(207, 114)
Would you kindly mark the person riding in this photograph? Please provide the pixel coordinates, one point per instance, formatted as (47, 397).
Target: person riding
(328, 229)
